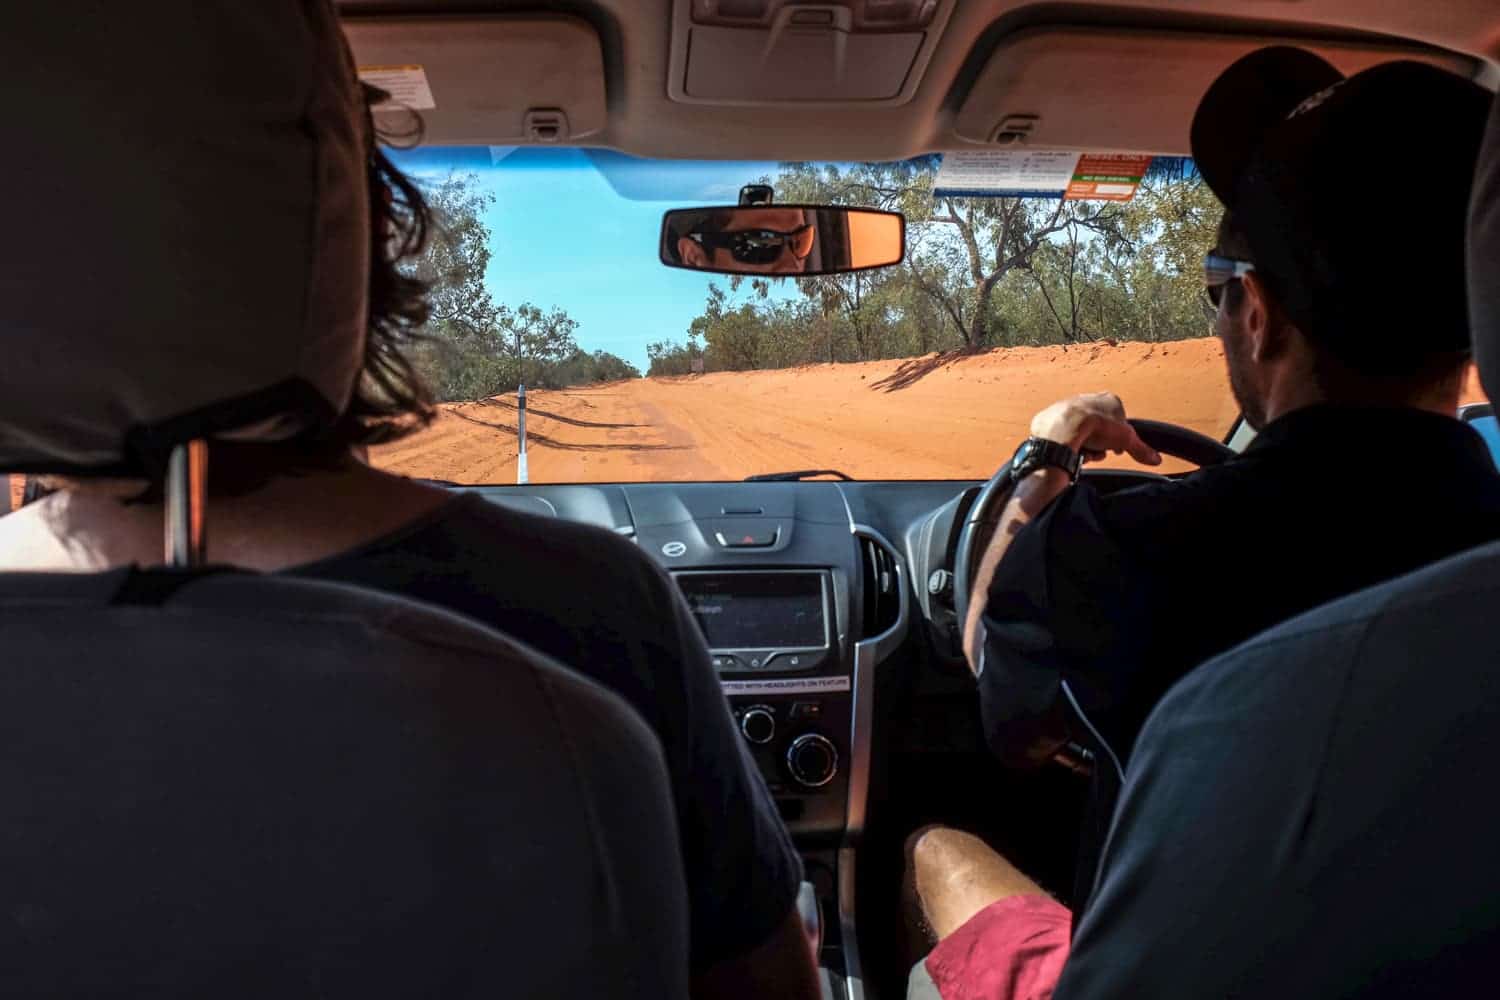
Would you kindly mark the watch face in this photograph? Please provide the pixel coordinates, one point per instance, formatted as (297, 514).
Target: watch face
(1027, 447)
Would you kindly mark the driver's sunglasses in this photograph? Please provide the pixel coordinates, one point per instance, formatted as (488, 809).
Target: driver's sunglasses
(1218, 272)
(758, 246)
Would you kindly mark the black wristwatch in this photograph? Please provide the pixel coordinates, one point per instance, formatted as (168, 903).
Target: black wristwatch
(1039, 453)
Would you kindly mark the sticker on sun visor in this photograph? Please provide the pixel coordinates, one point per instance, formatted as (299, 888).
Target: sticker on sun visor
(1103, 177)
(407, 86)
(1040, 173)
(791, 685)
(1005, 173)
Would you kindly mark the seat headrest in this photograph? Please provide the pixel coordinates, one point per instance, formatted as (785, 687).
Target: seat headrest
(188, 229)
(1484, 258)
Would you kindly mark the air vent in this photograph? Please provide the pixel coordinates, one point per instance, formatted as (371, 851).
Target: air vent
(882, 599)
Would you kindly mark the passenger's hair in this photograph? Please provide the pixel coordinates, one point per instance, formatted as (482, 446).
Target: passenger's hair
(390, 399)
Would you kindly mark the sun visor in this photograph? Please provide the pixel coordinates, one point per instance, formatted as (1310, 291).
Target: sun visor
(1130, 90)
(188, 228)
(488, 80)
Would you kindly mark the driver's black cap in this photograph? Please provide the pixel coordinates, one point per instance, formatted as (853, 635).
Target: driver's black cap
(1352, 194)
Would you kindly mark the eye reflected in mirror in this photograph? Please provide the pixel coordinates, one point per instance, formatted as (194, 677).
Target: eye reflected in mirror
(782, 239)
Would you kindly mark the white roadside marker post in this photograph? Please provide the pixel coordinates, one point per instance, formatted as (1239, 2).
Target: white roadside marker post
(522, 474)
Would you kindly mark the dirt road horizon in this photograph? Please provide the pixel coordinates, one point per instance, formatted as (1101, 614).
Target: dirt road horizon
(931, 417)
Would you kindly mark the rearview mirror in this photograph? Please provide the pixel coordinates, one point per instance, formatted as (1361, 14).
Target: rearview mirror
(782, 239)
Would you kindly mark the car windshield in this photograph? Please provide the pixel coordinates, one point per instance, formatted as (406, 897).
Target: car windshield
(546, 273)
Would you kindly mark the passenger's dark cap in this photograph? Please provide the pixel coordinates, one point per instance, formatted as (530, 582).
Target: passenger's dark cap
(1352, 197)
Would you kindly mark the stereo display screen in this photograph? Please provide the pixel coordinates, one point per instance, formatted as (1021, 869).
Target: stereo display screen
(757, 610)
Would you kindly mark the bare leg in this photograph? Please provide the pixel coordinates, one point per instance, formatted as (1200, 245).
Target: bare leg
(953, 875)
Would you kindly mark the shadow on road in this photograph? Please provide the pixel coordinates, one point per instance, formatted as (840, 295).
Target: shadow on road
(574, 421)
(915, 370)
(534, 437)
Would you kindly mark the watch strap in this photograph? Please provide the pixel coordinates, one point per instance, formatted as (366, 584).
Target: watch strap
(1040, 453)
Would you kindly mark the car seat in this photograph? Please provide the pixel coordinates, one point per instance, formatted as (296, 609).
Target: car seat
(222, 783)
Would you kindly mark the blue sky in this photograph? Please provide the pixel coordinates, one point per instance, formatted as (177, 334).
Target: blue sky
(578, 229)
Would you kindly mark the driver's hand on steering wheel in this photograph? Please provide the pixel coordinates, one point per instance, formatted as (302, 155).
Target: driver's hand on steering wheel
(1093, 424)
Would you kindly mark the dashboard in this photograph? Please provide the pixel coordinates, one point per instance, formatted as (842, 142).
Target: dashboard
(803, 591)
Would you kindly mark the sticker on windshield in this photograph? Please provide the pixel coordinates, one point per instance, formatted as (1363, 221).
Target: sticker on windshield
(407, 86)
(1105, 177)
(1005, 173)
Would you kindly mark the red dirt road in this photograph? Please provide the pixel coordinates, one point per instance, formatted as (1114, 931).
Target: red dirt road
(922, 418)
(932, 417)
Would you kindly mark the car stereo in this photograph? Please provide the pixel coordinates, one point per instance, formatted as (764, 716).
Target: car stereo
(761, 619)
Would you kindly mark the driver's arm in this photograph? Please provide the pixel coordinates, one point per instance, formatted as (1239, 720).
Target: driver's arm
(1029, 498)
(1060, 596)
(1093, 425)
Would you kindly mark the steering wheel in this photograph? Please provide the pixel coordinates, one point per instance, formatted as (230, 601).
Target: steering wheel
(1169, 439)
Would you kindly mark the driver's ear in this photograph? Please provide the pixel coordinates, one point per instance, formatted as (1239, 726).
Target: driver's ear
(691, 253)
(1262, 321)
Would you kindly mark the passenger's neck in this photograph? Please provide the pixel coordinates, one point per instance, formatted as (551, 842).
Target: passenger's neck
(289, 521)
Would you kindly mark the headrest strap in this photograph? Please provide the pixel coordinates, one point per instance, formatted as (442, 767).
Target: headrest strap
(187, 496)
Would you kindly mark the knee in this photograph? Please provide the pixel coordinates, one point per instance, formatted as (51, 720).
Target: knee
(934, 850)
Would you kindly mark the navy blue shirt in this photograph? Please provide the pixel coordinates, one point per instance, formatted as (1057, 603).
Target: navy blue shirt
(596, 603)
(1122, 594)
(1312, 814)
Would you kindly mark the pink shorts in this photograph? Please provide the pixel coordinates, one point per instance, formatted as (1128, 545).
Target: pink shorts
(1010, 950)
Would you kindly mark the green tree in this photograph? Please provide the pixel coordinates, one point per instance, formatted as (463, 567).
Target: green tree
(531, 342)
(959, 250)
(731, 334)
(475, 347)
(583, 368)
(457, 254)
(665, 357)
(853, 306)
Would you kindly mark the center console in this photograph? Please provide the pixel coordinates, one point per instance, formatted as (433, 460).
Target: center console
(791, 596)
(799, 605)
(774, 637)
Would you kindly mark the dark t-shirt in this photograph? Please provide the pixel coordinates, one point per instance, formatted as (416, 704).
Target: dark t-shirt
(1312, 814)
(1122, 595)
(596, 603)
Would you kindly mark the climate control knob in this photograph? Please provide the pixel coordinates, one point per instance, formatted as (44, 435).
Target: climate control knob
(758, 724)
(813, 760)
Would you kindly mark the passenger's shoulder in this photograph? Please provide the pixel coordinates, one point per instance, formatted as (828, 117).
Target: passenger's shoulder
(1370, 629)
(589, 554)
(473, 513)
